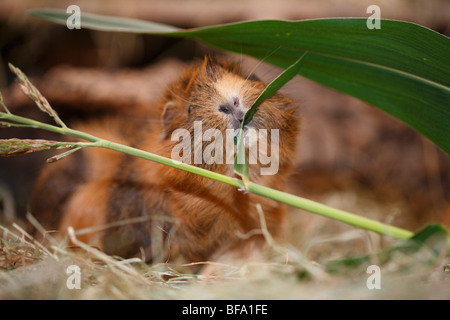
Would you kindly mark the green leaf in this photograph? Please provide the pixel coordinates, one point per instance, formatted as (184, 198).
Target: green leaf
(273, 87)
(104, 23)
(434, 236)
(402, 68)
(240, 161)
(432, 239)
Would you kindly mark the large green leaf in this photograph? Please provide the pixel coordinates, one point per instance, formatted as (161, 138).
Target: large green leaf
(402, 68)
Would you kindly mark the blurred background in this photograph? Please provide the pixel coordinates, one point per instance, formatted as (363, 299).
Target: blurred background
(350, 155)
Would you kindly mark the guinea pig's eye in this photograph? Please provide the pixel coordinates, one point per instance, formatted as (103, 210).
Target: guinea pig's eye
(224, 109)
(190, 109)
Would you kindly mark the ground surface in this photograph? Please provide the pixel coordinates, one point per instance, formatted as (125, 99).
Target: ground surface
(350, 156)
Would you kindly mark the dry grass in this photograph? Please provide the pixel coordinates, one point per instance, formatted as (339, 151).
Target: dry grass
(31, 271)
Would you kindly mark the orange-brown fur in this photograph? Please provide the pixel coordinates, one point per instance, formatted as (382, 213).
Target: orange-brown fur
(189, 216)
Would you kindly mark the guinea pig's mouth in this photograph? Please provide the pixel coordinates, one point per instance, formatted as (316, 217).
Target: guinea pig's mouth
(236, 124)
(245, 130)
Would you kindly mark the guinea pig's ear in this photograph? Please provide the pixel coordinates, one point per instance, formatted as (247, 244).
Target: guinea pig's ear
(171, 117)
(209, 67)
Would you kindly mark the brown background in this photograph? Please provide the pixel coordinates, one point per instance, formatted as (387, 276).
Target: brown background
(351, 155)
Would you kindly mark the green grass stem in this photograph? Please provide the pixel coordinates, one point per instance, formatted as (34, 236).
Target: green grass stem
(254, 188)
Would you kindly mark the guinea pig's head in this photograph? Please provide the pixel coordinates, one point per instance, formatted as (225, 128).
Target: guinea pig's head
(215, 94)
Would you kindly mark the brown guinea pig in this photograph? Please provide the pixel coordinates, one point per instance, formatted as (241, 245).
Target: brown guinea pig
(142, 208)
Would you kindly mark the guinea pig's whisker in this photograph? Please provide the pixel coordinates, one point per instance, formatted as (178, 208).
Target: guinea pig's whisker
(260, 62)
(185, 100)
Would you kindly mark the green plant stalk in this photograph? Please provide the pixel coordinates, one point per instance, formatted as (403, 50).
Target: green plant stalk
(330, 212)
(254, 188)
(101, 143)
